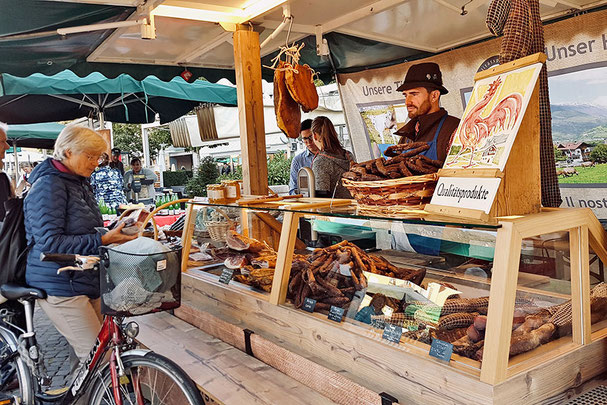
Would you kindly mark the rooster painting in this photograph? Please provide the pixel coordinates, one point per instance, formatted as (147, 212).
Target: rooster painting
(475, 128)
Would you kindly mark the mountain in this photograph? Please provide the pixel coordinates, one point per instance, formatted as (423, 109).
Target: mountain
(578, 122)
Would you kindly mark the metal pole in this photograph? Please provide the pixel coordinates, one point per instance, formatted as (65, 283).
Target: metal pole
(101, 120)
(146, 147)
(16, 164)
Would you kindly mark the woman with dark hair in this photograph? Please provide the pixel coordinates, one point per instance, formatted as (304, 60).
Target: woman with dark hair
(331, 162)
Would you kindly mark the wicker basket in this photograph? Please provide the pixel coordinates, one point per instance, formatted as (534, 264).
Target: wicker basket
(390, 196)
(218, 224)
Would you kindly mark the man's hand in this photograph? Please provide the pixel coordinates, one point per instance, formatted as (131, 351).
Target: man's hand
(115, 236)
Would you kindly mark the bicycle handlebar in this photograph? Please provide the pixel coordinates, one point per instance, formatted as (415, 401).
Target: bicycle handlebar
(58, 257)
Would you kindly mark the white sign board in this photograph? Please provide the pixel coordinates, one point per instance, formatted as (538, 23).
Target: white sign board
(466, 192)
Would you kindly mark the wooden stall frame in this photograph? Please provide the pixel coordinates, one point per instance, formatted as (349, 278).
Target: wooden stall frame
(583, 228)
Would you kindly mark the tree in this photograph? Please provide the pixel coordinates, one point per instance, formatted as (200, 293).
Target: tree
(599, 154)
(279, 169)
(559, 156)
(158, 138)
(127, 137)
(206, 173)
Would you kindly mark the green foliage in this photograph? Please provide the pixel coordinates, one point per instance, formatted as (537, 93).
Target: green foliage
(599, 154)
(559, 156)
(127, 137)
(234, 175)
(279, 169)
(207, 173)
(159, 138)
(179, 178)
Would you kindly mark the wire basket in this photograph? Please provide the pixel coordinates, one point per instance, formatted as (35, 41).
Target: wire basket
(412, 192)
(138, 284)
(218, 224)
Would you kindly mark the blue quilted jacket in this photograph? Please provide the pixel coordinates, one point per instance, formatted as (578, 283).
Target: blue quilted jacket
(60, 217)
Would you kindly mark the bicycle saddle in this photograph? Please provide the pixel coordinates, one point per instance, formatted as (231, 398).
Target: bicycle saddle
(16, 291)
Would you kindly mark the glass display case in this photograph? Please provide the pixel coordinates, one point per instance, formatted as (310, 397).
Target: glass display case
(505, 297)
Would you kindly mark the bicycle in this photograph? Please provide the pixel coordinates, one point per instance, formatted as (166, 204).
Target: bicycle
(131, 376)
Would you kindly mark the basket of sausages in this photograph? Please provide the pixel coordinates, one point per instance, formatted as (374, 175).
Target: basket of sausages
(404, 180)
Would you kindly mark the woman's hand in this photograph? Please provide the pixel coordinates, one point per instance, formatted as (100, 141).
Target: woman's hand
(115, 236)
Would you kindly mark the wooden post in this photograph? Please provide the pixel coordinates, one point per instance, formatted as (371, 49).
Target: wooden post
(580, 285)
(188, 234)
(502, 295)
(284, 258)
(247, 63)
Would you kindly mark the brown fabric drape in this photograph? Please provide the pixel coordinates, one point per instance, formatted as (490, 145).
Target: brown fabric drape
(520, 22)
(206, 122)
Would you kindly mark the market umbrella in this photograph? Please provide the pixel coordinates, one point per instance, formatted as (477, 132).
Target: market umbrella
(65, 96)
(41, 136)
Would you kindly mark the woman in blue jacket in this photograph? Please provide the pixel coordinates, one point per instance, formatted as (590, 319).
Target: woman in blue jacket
(62, 216)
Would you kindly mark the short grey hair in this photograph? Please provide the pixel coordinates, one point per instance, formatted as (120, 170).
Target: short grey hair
(4, 127)
(78, 140)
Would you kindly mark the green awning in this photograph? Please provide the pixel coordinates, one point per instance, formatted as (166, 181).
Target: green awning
(41, 136)
(65, 96)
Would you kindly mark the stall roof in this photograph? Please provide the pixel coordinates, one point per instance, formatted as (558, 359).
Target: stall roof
(359, 33)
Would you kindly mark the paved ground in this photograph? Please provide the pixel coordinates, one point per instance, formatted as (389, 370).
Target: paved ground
(55, 349)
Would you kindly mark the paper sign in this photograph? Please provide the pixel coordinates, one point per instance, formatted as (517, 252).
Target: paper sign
(466, 192)
(441, 350)
(226, 276)
(161, 265)
(336, 313)
(309, 305)
(392, 333)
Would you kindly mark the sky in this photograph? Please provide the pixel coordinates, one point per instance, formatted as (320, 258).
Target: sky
(583, 87)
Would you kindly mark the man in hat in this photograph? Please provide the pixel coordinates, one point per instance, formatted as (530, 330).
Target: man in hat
(116, 163)
(429, 122)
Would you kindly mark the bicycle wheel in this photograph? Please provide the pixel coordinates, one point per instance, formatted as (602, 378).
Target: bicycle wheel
(162, 382)
(15, 378)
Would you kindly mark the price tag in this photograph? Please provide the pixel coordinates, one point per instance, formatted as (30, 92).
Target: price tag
(392, 333)
(226, 276)
(161, 265)
(309, 305)
(336, 313)
(441, 350)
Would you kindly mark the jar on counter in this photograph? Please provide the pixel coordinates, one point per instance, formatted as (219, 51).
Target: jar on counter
(232, 190)
(216, 193)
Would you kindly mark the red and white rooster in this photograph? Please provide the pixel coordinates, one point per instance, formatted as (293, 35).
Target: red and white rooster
(475, 128)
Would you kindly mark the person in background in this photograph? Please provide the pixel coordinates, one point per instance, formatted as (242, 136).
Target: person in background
(116, 163)
(62, 216)
(107, 183)
(429, 122)
(140, 180)
(331, 162)
(305, 158)
(374, 308)
(6, 189)
(24, 184)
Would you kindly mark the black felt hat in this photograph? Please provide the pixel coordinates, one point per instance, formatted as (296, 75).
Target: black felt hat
(424, 75)
(115, 151)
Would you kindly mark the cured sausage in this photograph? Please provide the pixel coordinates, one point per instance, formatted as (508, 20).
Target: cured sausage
(288, 114)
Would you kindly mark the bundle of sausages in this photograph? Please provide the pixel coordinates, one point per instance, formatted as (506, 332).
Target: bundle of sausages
(332, 275)
(404, 160)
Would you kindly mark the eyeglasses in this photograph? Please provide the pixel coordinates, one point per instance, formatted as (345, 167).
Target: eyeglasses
(92, 158)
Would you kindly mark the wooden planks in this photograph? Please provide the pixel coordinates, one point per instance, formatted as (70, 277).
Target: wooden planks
(226, 374)
(365, 359)
(284, 258)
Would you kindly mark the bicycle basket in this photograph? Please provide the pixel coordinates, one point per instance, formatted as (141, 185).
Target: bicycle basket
(137, 284)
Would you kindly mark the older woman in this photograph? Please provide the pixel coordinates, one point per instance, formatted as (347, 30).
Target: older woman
(331, 162)
(62, 216)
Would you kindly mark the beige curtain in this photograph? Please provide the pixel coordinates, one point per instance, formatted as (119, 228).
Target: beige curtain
(179, 133)
(206, 122)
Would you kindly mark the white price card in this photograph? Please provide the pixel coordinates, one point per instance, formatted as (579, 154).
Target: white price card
(466, 192)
